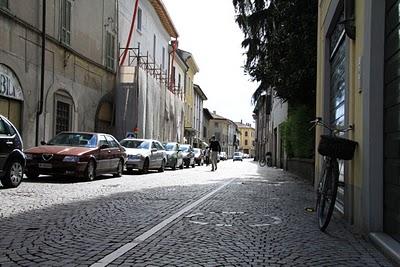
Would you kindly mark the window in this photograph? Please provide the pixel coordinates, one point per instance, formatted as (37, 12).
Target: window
(154, 47)
(139, 19)
(159, 146)
(3, 3)
(179, 81)
(204, 132)
(246, 142)
(111, 141)
(102, 140)
(63, 117)
(216, 124)
(66, 22)
(246, 134)
(173, 76)
(110, 53)
(163, 58)
(3, 128)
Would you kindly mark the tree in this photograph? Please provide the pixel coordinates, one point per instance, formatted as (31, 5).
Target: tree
(281, 44)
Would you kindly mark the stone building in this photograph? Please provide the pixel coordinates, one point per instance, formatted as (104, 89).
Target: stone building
(246, 138)
(225, 131)
(199, 98)
(79, 67)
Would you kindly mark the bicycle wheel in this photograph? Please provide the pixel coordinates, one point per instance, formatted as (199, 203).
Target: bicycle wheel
(326, 194)
(262, 162)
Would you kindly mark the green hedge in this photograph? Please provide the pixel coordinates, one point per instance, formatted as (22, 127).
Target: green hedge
(298, 140)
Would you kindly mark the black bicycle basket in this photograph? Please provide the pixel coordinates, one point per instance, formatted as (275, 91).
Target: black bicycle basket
(336, 147)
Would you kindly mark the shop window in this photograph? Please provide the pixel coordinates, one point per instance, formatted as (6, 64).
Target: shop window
(66, 8)
(110, 51)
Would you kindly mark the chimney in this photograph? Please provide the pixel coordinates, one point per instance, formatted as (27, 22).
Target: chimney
(241, 121)
(215, 113)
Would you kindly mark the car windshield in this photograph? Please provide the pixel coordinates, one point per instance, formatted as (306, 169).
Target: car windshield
(185, 148)
(140, 144)
(74, 139)
(236, 154)
(170, 147)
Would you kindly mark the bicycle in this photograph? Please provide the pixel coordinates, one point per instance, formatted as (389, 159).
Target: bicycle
(333, 148)
(266, 160)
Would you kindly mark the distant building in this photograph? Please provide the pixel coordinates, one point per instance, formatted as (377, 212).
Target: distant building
(225, 132)
(247, 138)
(206, 125)
(80, 66)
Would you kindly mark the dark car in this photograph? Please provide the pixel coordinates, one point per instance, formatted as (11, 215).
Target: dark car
(198, 156)
(76, 154)
(188, 155)
(174, 156)
(12, 159)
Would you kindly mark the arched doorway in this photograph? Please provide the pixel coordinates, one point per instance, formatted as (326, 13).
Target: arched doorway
(105, 115)
(11, 96)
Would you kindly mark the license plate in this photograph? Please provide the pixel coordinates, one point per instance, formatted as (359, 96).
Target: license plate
(45, 165)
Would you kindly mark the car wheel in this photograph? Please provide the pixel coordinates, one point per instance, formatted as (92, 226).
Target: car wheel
(145, 167)
(181, 167)
(174, 165)
(193, 165)
(90, 172)
(31, 174)
(161, 169)
(14, 174)
(120, 168)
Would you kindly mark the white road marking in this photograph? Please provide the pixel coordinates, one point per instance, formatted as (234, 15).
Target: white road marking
(128, 246)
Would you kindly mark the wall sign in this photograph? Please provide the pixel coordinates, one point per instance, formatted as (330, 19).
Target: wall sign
(9, 84)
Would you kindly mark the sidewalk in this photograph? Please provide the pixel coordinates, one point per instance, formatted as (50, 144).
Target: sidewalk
(257, 220)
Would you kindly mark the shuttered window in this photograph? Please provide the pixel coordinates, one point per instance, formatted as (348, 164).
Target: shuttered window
(110, 53)
(66, 21)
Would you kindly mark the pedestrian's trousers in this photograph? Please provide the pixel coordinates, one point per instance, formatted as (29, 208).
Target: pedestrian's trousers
(214, 156)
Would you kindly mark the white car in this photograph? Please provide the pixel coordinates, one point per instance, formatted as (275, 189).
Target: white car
(238, 156)
(144, 155)
(223, 156)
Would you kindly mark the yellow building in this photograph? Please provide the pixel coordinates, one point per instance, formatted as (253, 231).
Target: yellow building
(247, 138)
(358, 84)
(190, 131)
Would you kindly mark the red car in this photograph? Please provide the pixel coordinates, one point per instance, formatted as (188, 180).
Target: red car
(76, 154)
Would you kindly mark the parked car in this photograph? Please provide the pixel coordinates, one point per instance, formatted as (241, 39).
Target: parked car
(198, 156)
(12, 159)
(238, 156)
(188, 155)
(144, 155)
(77, 154)
(246, 156)
(223, 156)
(174, 156)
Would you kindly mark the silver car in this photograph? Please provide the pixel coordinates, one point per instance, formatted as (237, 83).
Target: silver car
(174, 156)
(144, 155)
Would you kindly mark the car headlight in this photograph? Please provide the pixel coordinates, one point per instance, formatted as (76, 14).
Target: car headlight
(71, 159)
(29, 156)
(134, 156)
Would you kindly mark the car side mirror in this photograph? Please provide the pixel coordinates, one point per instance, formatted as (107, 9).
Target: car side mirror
(104, 146)
(43, 143)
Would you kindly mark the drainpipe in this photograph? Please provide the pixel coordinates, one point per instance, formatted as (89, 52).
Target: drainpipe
(125, 52)
(40, 104)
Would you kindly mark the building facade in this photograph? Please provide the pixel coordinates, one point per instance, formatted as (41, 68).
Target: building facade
(358, 85)
(225, 131)
(247, 138)
(150, 100)
(79, 68)
(199, 98)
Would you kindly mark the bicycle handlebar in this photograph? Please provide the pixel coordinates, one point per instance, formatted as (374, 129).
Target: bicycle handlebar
(320, 122)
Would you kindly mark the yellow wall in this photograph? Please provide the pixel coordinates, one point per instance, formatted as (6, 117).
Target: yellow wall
(354, 101)
(189, 97)
(250, 138)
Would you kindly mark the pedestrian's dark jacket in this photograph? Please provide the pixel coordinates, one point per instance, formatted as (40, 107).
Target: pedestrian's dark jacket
(214, 146)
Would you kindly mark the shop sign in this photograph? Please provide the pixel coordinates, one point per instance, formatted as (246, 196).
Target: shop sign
(9, 84)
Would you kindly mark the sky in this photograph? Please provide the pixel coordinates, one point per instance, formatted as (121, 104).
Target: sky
(208, 30)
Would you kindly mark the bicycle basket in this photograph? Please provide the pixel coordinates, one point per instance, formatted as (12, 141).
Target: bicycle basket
(336, 147)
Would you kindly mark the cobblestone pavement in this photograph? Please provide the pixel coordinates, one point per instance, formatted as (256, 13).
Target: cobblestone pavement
(257, 219)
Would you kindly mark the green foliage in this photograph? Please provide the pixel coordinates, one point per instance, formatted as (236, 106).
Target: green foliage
(298, 140)
(281, 44)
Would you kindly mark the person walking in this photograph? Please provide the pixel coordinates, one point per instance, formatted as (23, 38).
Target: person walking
(215, 148)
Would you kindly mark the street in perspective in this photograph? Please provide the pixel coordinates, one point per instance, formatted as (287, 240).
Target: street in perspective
(240, 215)
(199, 133)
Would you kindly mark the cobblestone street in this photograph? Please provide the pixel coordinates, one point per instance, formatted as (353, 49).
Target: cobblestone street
(240, 215)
